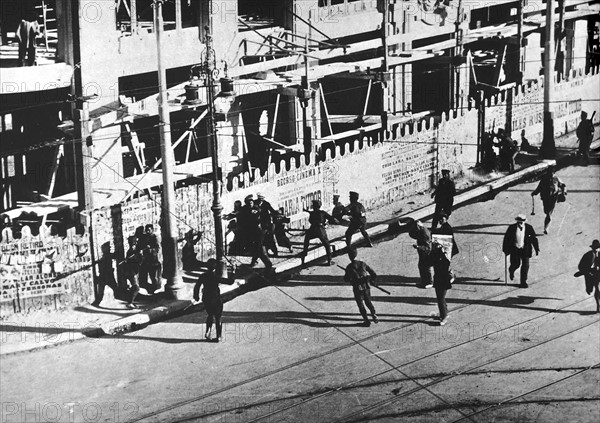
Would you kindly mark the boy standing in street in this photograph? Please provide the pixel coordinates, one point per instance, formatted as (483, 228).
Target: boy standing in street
(360, 275)
(211, 298)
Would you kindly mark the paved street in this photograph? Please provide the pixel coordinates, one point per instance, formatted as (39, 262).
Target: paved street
(295, 352)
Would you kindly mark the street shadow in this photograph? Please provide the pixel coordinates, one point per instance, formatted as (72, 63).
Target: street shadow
(384, 280)
(384, 298)
(479, 281)
(478, 226)
(311, 319)
(521, 302)
(130, 338)
(460, 231)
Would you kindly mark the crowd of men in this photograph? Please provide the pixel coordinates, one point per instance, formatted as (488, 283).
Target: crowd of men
(258, 229)
(141, 267)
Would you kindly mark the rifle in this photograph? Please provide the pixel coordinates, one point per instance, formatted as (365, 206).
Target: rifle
(376, 286)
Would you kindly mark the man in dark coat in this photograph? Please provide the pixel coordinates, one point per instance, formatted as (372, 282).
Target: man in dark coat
(519, 242)
(446, 229)
(131, 268)
(585, 134)
(423, 246)
(281, 220)
(444, 197)
(589, 268)
(442, 280)
(252, 234)
(267, 215)
(26, 34)
(106, 275)
(549, 188)
(151, 265)
(358, 219)
(360, 275)
(211, 298)
(318, 220)
(338, 208)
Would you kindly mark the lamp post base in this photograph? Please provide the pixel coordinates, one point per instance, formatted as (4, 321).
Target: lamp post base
(174, 288)
(548, 148)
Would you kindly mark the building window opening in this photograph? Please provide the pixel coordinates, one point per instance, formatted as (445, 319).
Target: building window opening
(137, 16)
(28, 32)
(257, 14)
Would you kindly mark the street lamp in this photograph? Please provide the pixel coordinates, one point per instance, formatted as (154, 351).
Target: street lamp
(217, 104)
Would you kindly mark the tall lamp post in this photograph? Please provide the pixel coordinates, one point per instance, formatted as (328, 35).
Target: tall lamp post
(171, 260)
(548, 148)
(223, 100)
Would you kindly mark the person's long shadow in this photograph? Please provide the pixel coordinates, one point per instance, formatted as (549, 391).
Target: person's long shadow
(478, 281)
(478, 226)
(384, 280)
(129, 337)
(311, 319)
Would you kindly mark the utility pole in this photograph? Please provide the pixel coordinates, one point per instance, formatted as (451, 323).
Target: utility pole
(217, 208)
(171, 260)
(520, 40)
(457, 58)
(305, 104)
(548, 148)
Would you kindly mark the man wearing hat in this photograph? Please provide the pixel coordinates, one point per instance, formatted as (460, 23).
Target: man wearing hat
(358, 219)
(589, 268)
(317, 219)
(549, 188)
(338, 208)
(151, 265)
(267, 214)
(444, 197)
(519, 241)
(252, 235)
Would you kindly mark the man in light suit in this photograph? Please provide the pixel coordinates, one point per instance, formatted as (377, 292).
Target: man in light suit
(519, 242)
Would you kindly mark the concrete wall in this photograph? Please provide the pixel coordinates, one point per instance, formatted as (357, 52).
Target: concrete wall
(526, 107)
(44, 272)
(407, 162)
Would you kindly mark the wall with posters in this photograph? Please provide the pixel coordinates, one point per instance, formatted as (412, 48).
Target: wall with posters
(407, 160)
(524, 107)
(44, 272)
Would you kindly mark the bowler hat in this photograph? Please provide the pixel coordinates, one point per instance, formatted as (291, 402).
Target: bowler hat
(520, 218)
(248, 197)
(353, 194)
(595, 244)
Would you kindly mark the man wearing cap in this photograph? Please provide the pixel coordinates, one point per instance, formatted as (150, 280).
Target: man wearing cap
(519, 241)
(317, 219)
(549, 188)
(585, 134)
(358, 219)
(423, 246)
(131, 268)
(266, 214)
(589, 268)
(150, 265)
(360, 275)
(446, 229)
(338, 208)
(211, 298)
(252, 235)
(444, 197)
